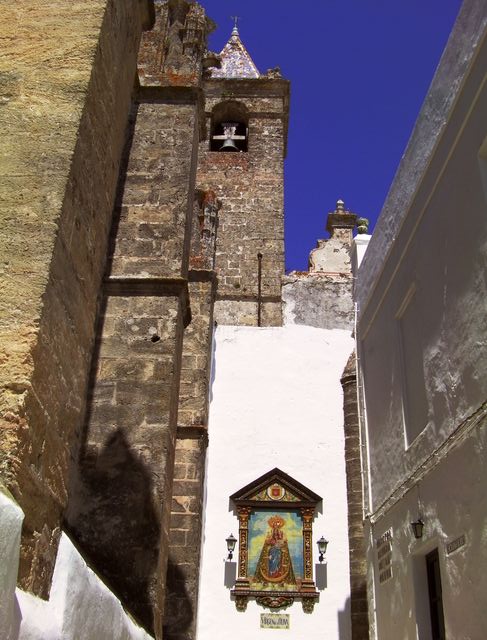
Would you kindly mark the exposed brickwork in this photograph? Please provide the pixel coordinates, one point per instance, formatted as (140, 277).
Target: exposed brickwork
(358, 567)
(185, 536)
(186, 526)
(250, 187)
(71, 70)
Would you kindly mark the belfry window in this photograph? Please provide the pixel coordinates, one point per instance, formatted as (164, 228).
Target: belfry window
(229, 127)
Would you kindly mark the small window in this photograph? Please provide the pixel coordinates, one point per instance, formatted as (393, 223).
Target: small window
(229, 129)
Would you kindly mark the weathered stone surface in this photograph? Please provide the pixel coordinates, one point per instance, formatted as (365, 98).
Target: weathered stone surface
(250, 188)
(153, 232)
(172, 53)
(126, 464)
(196, 363)
(189, 469)
(66, 79)
(333, 256)
(132, 446)
(318, 300)
(122, 494)
(185, 537)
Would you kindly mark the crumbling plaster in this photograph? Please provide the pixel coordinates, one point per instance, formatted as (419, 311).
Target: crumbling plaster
(319, 300)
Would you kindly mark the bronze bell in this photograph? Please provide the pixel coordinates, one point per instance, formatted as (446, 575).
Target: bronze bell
(229, 145)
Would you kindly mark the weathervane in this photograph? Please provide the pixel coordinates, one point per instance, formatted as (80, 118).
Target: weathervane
(235, 19)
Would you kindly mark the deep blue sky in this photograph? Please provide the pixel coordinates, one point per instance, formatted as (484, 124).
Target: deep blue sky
(359, 72)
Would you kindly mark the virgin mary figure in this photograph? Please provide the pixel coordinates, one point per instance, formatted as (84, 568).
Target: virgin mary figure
(275, 565)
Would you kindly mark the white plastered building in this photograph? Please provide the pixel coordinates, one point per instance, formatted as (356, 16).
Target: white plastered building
(422, 344)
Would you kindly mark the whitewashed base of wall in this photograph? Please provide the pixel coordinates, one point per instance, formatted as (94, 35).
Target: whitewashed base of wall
(80, 606)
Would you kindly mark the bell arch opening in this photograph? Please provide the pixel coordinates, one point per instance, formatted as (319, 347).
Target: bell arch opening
(229, 130)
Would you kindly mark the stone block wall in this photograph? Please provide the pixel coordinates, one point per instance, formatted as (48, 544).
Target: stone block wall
(66, 83)
(120, 512)
(127, 456)
(119, 508)
(196, 364)
(250, 187)
(153, 230)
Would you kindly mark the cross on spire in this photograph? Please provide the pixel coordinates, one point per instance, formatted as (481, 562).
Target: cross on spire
(235, 23)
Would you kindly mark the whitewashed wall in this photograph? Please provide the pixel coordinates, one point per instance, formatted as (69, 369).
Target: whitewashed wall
(453, 502)
(439, 258)
(276, 401)
(421, 292)
(80, 606)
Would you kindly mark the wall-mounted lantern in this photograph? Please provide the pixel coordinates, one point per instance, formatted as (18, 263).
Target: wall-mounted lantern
(231, 542)
(322, 545)
(417, 528)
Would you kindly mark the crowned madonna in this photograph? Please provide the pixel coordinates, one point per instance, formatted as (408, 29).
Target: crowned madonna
(274, 566)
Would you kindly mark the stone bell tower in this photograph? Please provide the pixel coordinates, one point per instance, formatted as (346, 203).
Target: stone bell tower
(242, 160)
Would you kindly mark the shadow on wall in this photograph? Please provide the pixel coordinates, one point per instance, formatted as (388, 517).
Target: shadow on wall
(122, 179)
(178, 603)
(113, 515)
(112, 519)
(344, 624)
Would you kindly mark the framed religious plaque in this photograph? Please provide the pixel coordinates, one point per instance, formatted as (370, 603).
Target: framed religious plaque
(275, 564)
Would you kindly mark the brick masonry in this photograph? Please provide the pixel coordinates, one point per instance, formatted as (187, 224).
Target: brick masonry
(356, 538)
(251, 190)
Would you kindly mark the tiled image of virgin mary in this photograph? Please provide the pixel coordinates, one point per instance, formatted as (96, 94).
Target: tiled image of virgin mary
(275, 550)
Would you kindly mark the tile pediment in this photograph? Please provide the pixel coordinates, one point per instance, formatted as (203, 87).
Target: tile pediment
(275, 487)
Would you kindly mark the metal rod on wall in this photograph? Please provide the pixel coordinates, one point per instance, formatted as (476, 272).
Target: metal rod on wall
(259, 290)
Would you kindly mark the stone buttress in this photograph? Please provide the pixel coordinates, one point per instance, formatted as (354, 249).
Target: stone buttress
(121, 509)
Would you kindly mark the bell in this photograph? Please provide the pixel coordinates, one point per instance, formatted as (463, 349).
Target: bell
(229, 145)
